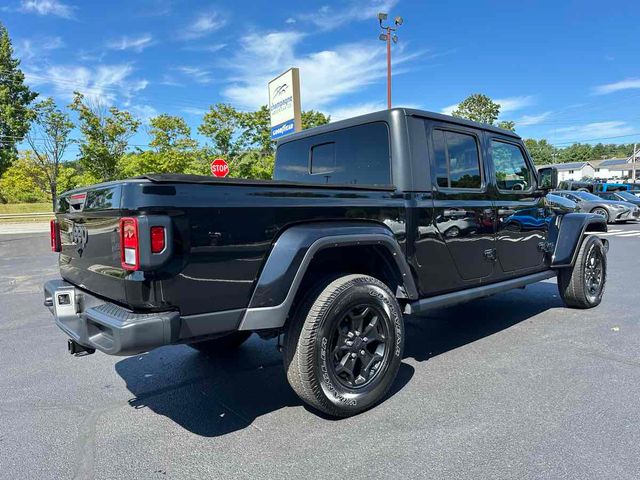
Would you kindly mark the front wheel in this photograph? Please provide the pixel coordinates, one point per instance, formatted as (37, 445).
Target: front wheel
(582, 285)
(344, 346)
(602, 212)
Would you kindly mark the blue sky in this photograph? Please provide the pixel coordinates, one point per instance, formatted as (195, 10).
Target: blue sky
(565, 70)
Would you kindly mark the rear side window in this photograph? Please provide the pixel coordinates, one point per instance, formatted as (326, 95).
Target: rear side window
(357, 155)
(457, 160)
(512, 171)
(323, 159)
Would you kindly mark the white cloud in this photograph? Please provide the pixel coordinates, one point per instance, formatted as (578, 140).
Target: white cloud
(290, 20)
(137, 44)
(527, 120)
(325, 75)
(511, 104)
(592, 131)
(197, 74)
(627, 84)
(143, 112)
(37, 47)
(103, 84)
(47, 7)
(448, 110)
(198, 112)
(329, 18)
(203, 25)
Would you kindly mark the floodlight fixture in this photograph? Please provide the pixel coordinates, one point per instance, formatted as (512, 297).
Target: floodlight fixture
(382, 16)
(383, 37)
(399, 20)
(394, 38)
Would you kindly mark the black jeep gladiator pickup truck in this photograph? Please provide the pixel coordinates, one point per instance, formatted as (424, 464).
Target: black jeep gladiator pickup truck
(367, 220)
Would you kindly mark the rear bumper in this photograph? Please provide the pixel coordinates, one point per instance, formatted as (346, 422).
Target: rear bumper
(95, 323)
(104, 326)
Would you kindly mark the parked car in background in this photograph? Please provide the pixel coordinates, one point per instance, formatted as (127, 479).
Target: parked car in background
(561, 204)
(592, 186)
(634, 188)
(622, 196)
(612, 210)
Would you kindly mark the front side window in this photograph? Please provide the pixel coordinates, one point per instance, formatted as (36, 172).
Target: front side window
(457, 160)
(512, 171)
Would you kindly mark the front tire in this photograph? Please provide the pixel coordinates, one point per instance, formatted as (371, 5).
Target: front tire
(602, 212)
(582, 285)
(344, 345)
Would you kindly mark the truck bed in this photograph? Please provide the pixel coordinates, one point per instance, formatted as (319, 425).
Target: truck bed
(222, 231)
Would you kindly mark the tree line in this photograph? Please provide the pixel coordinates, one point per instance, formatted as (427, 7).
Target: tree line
(102, 135)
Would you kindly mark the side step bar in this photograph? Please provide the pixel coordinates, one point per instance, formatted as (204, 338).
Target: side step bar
(468, 294)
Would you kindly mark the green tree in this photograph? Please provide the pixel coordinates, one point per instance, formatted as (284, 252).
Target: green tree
(578, 152)
(174, 151)
(15, 98)
(49, 139)
(105, 137)
(480, 108)
(170, 133)
(541, 151)
(507, 125)
(313, 118)
(222, 124)
(21, 183)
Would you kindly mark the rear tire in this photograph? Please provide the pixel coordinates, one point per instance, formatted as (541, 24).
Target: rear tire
(222, 345)
(582, 285)
(344, 345)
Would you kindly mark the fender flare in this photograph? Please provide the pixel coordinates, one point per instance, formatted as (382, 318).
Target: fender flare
(570, 235)
(291, 255)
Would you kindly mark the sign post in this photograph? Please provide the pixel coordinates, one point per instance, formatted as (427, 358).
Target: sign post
(284, 104)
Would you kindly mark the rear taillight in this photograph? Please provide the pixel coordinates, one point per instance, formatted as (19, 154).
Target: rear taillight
(158, 242)
(129, 244)
(56, 245)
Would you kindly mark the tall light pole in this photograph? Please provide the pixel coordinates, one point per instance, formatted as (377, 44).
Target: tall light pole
(387, 36)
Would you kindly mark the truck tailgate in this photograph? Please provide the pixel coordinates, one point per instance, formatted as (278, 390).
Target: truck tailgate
(89, 233)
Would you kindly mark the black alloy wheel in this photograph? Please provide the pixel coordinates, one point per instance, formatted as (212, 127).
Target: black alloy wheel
(359, 346)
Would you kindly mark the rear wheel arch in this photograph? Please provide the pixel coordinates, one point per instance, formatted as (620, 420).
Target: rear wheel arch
(315, 252)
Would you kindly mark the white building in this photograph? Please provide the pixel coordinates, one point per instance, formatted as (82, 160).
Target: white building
(575, 170)
(612, 168)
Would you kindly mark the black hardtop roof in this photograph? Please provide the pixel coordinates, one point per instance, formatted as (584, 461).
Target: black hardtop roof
(386, 116)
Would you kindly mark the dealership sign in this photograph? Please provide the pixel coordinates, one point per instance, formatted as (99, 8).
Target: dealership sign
(284, 103)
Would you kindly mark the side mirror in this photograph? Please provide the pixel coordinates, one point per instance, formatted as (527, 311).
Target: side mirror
(548, 178)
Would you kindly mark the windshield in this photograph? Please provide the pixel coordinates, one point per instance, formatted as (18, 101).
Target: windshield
(589, 197)
(628, 196)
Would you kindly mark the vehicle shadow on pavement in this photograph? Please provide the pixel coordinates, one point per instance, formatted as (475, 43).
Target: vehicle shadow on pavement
(446, 329)
(215, 396)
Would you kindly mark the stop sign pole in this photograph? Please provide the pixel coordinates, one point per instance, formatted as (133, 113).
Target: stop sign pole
(219, 168)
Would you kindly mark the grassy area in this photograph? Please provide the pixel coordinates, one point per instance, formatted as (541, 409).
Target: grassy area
(25, 207)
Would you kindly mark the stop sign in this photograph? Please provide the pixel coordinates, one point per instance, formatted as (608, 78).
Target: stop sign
(219, 168)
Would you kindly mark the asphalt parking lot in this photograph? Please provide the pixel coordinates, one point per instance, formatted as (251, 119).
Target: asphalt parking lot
(513, 386)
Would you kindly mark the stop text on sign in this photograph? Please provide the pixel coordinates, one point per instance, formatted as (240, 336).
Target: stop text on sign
(219, 168)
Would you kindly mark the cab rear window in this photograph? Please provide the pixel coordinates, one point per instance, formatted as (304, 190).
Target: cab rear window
(358, 155)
